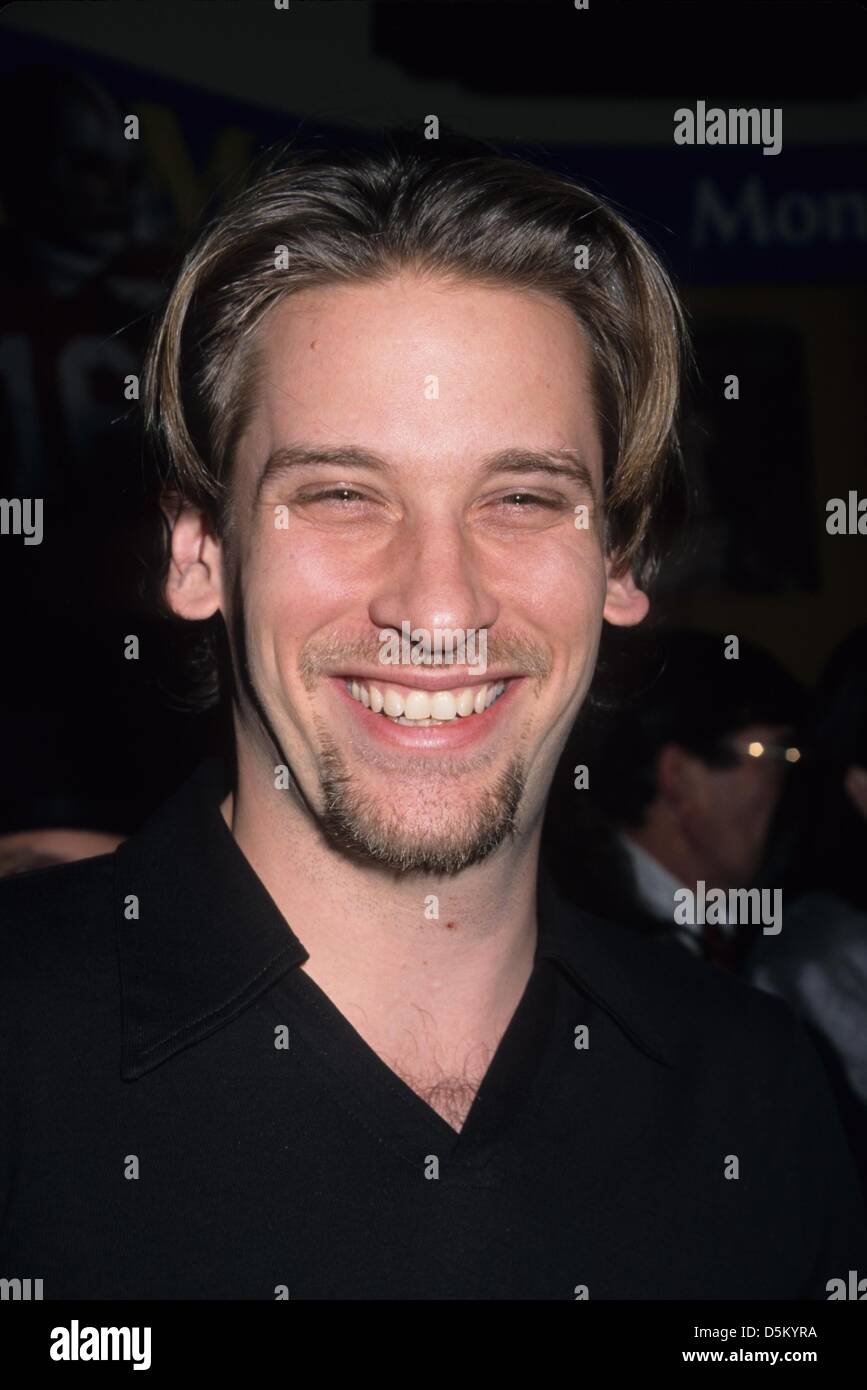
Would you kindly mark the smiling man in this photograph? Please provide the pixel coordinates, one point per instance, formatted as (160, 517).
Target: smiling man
(358, 1049)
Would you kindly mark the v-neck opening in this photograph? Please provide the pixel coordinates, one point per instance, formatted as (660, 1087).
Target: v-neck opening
(386, 1105)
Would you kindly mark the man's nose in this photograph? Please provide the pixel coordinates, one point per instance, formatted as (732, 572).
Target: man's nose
(434, 579)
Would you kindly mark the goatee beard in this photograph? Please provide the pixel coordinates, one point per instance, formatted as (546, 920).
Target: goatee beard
(354, 822)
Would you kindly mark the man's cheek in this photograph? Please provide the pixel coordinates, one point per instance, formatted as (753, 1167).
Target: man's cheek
(318, 566)
(277, 591)
(565, 598)
(266, 625)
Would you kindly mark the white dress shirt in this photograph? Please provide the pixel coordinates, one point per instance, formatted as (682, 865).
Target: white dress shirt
(656, 888)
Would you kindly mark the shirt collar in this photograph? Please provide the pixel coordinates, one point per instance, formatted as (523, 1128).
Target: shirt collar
(656, 888)
(605, 961)
(200, 938)
(654, 884)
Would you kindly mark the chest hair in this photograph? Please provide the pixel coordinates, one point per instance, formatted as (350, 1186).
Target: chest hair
(450, 1096)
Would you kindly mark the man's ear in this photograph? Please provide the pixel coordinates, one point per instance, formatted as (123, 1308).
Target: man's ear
(194, 586)
(625, 603)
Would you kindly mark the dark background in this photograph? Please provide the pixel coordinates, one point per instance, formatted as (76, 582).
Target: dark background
(768, 252)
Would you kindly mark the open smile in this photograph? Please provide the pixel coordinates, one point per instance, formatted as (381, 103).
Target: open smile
(409, 705)
(412, 717)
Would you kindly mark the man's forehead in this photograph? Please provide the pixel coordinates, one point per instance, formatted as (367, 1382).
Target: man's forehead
(404, 325)
(406, 371)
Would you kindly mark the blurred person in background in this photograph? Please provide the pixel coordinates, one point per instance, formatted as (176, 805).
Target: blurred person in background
(684, 778)
(818, 962)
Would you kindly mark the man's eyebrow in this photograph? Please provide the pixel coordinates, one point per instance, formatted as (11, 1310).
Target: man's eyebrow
(563, 463)
(301, 455)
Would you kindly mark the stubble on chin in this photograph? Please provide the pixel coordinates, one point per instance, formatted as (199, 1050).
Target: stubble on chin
(447, 839)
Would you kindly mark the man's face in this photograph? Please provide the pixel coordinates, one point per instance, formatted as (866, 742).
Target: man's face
(325, 557)
(730, 809)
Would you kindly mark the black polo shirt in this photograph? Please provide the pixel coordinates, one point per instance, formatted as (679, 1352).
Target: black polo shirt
(160, 1141)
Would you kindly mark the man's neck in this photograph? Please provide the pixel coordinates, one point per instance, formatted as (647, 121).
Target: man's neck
(427, 970)
(673, 851)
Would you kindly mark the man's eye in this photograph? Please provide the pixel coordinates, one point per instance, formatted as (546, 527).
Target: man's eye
(525, 501)
(335, 494)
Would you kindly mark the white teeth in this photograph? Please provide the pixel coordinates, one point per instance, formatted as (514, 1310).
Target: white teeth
(443, 705)
(465, 703)
(420, 708)
(416, 705)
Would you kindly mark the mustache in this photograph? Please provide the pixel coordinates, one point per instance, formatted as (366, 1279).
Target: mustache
(514, 651)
